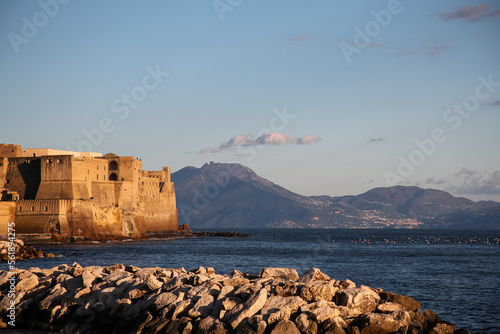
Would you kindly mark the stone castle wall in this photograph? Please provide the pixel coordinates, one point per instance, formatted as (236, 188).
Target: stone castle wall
(101, 197)
(7, 215)
(23, 176)
(43, 216)
(10, 150)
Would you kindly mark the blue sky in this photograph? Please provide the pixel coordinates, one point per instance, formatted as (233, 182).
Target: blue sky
(323, 97)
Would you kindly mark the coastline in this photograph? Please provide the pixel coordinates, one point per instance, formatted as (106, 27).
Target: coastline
(47, 238)
(127, 299)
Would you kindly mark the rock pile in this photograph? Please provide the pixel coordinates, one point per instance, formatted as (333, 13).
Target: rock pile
(222, 234)
(127, 299)
(22, 252)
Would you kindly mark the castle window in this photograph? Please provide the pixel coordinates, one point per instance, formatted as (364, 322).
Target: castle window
(113, 177)
(113, 165)
(7, 181)
(59, 161)
(97, 167)
(20, 208)
(98, 177)
(46, 208)
(104, 177)
(49, 161)
(32, 208)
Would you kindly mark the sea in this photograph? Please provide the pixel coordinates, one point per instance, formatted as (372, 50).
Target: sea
(455, 273)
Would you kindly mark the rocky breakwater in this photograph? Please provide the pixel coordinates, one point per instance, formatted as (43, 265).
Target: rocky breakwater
(17, 250)
(127, 299)
(222, 234)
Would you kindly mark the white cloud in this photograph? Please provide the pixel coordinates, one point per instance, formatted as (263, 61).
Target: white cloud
(477, 183)
(434, 181)
(309, 139)
(273, 138)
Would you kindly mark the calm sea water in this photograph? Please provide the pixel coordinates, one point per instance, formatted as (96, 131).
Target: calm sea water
(451, 272)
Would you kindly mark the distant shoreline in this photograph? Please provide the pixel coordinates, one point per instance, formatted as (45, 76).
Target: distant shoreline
(42, 239)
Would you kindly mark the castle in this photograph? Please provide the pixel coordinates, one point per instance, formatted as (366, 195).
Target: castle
(83, 194)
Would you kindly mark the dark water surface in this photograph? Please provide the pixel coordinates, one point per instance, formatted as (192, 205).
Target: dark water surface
(454, 273)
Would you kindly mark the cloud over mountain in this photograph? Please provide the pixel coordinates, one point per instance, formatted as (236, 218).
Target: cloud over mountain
(477, 183)
(273, 138)
(470, 13)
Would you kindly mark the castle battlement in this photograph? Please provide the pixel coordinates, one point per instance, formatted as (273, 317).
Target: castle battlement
(43, 206)
(72, 192)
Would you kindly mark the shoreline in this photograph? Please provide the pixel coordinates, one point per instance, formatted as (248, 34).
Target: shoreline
(47, 238)
(25, 251)
(128, 299)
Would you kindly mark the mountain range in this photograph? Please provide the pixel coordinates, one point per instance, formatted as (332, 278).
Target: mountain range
(223, 195)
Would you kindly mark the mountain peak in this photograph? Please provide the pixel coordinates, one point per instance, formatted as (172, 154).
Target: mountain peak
(230, 195)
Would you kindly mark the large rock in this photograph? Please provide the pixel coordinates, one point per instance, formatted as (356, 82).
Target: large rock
(364, 299)
(54, 296)
(229, 303)
(313, 274)
(181, 308)
(253, 305)
(305, 324)
(246, 290)
(181, 326)
(153, 283)
(211, 325)
(88, 278)
(389, 307)
(408, 303)
(319, 290)
(27, 282)
(308, 308)
(203, 307)
(324, 313)
(164, 300)
(286, 273)
(283, 288)
(285, 327)
(281, 308)
(235, 281)
(379, 323)
(225, 292)
(443, 328)
(335, 325)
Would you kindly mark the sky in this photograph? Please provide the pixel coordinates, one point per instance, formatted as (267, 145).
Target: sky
(323, 98)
